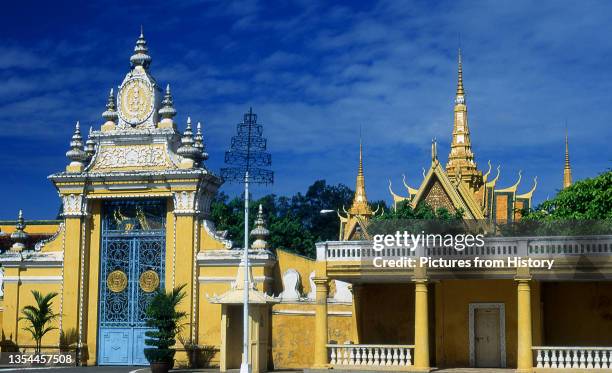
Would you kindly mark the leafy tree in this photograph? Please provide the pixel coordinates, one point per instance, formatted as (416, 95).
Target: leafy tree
(588, 199)
(163, 316)
(39, 316)
(295, 223)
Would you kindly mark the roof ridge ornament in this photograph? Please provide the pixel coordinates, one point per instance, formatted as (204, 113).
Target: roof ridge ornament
(141, 55)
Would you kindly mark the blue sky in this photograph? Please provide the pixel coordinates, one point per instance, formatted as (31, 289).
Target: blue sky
(315, 72)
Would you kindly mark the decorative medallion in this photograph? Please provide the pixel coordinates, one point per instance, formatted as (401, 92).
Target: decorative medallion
(136, 101)
(117, 281)
(149, 281)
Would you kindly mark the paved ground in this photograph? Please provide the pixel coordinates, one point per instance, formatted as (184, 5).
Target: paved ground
(108, 369)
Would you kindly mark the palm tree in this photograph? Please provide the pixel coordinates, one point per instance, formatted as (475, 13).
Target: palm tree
(39, 316)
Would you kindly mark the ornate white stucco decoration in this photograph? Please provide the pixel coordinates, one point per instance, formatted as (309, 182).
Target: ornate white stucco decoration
(210, 228)
(127, 156)
(41, 244)
(75, 205)
(184, 203)
(312, 295)
(291, 286)
(343, 293)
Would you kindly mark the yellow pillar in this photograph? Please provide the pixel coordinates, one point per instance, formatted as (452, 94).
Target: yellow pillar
(357, 290)
(524, 354)
(421, 325)
(184, 270)
(320, 358)
(71, 297)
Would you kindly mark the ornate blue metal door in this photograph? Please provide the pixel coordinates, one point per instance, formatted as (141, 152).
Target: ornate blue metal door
(131, 270)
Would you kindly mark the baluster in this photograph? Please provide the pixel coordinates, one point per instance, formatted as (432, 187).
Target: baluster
(589, 359)
(358, 356)
(604, 360)
(383, 356)
(582, 360)
(376, 356)
(402, 357)
(539, 359)
(389, 356)
(553, 359)
(370, 356)
(575, 360)
(352, 356)
(597, 360)
(563, 358)
(345, 356)
(395, 357)
(546, 359)
(364, 356)
(333, 356)
(408, 357)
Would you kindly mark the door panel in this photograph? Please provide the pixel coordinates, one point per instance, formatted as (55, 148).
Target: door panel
(115, 346)
(133, 242)
(487, 338)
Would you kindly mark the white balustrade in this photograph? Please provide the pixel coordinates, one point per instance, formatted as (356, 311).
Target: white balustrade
(554, 357)
(370, 356)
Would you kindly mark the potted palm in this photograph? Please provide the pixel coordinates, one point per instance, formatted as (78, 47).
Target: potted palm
(164, 318)
(38, 317)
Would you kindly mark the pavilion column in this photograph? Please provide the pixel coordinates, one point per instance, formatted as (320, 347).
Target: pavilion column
(524, 353)
(320, 348)
(421, 325)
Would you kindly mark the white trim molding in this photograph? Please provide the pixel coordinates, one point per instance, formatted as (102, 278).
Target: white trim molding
(33, 279)
(502, 330)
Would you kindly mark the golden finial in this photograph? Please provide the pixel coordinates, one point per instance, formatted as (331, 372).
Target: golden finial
(360, 201)
(460, 91)
(567, 170)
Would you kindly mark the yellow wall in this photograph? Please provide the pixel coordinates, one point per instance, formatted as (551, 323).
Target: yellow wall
(577, 313)
(293, 332)
(452, 321)
(32, 227)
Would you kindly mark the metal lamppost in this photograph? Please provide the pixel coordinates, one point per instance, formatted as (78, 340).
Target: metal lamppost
(247, 156)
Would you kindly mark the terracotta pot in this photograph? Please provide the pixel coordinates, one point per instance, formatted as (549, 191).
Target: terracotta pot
(161, 367)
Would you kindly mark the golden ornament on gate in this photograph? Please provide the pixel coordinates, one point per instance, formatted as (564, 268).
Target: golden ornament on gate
(117, 281)
(149, 281)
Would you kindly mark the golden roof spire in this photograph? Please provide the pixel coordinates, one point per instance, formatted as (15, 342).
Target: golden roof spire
(360, 204)
(567, 170)
(460, 91)
(461, 163)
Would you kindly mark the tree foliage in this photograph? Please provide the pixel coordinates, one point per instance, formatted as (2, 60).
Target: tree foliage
(588, 199)
(295, 222)
(39, 316)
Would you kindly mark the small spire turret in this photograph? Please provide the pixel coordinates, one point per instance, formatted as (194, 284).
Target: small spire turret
(260, 233)
(360, 204)
(167, 111)
(187, 149)
(141, 53)
(76, 155)
(110, 114)
(90, 144)
(199, 142)
(19, 236)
